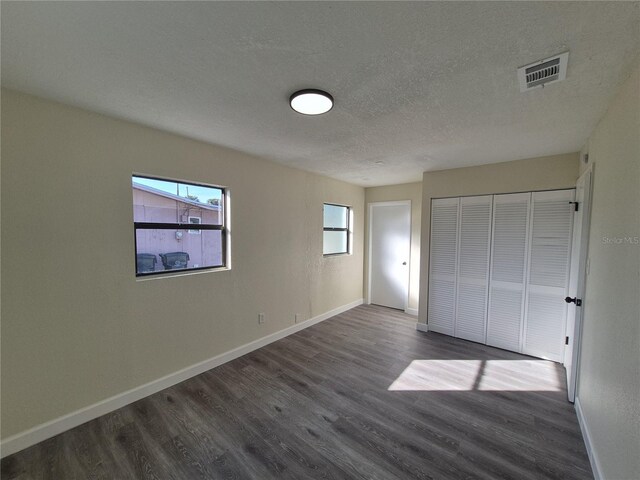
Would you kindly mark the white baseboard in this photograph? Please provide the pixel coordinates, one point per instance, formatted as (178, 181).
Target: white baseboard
(41, 432)
(588, 442)
(411, 311)
(422, 327)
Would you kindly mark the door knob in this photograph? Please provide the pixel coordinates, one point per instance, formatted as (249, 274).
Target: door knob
(575, 300)
(404, 263)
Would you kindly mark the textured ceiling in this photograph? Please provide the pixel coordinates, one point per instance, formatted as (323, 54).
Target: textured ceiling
(418, 86)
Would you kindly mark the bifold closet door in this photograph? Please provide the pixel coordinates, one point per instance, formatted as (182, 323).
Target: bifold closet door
(509, 255)
(474, 246)
(546, 310)
(441, 309)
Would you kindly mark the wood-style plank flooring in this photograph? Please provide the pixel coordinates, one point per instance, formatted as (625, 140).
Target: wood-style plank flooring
(362, 395)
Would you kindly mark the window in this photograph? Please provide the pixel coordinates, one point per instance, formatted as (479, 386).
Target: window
(178, 226)
(196, 221)
(336, 229)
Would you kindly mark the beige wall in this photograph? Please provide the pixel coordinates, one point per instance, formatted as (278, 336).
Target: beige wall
(545, 173)
(609, 379)
(407, 191)
(76, 325)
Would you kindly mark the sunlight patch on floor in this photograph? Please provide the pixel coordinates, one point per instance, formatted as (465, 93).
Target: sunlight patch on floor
(482, 375)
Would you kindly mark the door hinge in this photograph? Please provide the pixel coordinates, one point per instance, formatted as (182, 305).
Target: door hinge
(576, 205)
(566, 340)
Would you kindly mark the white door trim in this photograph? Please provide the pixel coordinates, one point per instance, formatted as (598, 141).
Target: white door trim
(582, 259)
(371, 206)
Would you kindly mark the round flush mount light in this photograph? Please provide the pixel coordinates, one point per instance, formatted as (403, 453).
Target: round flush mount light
(311, 102)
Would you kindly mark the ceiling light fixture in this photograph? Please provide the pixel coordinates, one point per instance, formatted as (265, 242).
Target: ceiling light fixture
(311, 102)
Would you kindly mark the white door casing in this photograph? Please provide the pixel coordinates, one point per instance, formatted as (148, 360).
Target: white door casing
(577, 280)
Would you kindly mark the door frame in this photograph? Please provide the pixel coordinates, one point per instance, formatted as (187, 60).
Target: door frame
(582, 257)
(371, 206)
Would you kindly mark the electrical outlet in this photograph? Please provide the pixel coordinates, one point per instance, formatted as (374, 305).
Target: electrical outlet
(261, 318)
(298, 317)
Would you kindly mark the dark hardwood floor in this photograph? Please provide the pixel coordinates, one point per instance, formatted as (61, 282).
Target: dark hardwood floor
(360, 396)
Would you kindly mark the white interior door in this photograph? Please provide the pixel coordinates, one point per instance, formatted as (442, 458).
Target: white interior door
(577, 280)
(473, 267)
(443, 257)
(508, 270)
(389, 251)
(550, 253)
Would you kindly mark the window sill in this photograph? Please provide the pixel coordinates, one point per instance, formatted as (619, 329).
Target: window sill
(181, 273)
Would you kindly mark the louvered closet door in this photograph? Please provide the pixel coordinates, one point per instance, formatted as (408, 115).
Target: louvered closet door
(473, 267)
(546, 310)
(442, 265)
(508, 270)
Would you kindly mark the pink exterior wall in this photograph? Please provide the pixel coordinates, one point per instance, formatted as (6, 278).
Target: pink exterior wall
(203, 247)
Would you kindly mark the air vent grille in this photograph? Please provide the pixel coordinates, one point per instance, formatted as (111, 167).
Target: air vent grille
(543, 72)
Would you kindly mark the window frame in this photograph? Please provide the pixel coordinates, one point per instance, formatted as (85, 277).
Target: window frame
(223, 227)
(347, 230)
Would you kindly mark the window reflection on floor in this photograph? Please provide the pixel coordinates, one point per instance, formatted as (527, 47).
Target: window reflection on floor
(482, 375)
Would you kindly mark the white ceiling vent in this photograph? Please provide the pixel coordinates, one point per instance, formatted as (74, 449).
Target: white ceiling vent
(543, 72)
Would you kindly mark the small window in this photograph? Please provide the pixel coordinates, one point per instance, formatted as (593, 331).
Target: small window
(336, 229)
(195, 221)
(178, 226)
